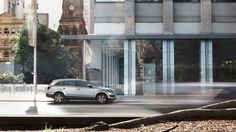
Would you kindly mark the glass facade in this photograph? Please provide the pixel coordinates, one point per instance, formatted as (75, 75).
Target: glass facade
(148, 66)
(187, 69)
(105, 63)
(224, 60)
(156, 67)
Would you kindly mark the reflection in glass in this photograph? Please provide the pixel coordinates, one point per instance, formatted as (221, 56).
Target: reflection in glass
(187, 59)
(224, 59)
(148, 66)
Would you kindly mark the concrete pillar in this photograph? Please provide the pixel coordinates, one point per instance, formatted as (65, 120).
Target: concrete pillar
(168, 25)
(206, 18)
(107, 66)
(129, 49)
(129, 17)
(103, 65)
(126, 67)
(206, 64)
(132, 67)
(91, 16)
(168, 66)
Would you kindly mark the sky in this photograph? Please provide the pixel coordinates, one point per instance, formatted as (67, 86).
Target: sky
(53, 7)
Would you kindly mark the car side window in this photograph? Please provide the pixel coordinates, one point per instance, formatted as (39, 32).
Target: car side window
(82, 83)
(59, 83)
(70, 83)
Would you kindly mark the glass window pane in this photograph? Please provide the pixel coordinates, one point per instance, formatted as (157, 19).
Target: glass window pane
(148, 66)
(187, 60)
(224, 59)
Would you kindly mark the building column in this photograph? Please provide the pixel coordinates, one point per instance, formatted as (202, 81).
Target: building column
(130, 17)
(132, 67)
(168, 66)
(126, 67)
(129, 50)
(168, 25)
(206, 16)
(91, 21)
(206, 63)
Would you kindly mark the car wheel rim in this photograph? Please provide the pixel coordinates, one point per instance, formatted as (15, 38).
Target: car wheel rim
(59, 98)
(102, 99)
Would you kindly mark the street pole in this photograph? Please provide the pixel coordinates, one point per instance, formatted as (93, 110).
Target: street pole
(34, 43)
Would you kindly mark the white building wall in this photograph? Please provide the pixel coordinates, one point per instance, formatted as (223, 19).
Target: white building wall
(184, 28)
(149, 28)
(20, 9)
(109, 28)
(224, 27)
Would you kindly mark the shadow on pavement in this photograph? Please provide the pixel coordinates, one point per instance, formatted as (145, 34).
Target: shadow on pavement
(227, 93)
(80, 102)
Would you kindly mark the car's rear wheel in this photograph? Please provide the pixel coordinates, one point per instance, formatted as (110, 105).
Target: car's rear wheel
(102, 98)
(59, 97)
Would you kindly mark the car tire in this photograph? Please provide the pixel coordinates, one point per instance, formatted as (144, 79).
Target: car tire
(102, 98)
(59, 97)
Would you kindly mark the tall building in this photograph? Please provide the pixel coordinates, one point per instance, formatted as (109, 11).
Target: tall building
(72, 23)
(9, 25)
(15, 7)
(155, 47)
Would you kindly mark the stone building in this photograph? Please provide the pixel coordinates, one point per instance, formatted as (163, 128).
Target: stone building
(9, 25)
(72, 23)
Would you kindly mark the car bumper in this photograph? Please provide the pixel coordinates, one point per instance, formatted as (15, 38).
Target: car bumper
(112, 97)
(49, 95)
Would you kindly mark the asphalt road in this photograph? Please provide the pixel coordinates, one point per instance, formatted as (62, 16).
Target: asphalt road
(92, 109)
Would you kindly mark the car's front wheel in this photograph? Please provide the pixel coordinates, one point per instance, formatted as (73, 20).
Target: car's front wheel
(102, 98)
(59, 97)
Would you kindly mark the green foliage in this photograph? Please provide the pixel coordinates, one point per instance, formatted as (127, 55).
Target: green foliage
(9, 77)
(53, 61)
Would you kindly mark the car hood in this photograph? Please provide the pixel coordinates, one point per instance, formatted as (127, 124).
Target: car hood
(105, 88)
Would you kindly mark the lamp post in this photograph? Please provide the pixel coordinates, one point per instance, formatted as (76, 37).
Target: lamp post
(34, 43)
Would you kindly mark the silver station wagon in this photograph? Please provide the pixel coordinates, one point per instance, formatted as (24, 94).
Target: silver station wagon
(75, 89)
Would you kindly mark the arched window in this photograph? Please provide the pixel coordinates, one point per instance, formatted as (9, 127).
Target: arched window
(6, 54)
(6, 30)
(13, 30)
(67, 30)
(71, 13)
(74, 31)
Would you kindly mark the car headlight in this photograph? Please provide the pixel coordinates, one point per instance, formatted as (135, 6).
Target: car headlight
(110, 91)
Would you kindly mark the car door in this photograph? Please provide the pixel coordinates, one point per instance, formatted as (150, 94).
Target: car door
(70, 88)
(85, 91)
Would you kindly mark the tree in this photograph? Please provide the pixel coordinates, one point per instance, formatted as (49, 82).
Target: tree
(53, 61)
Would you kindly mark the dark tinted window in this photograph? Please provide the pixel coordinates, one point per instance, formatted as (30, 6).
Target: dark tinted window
(82, 83)
(70, 83)
(59, 83)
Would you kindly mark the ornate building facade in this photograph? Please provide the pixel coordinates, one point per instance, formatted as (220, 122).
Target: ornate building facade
(72, 23)
(9, 25)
